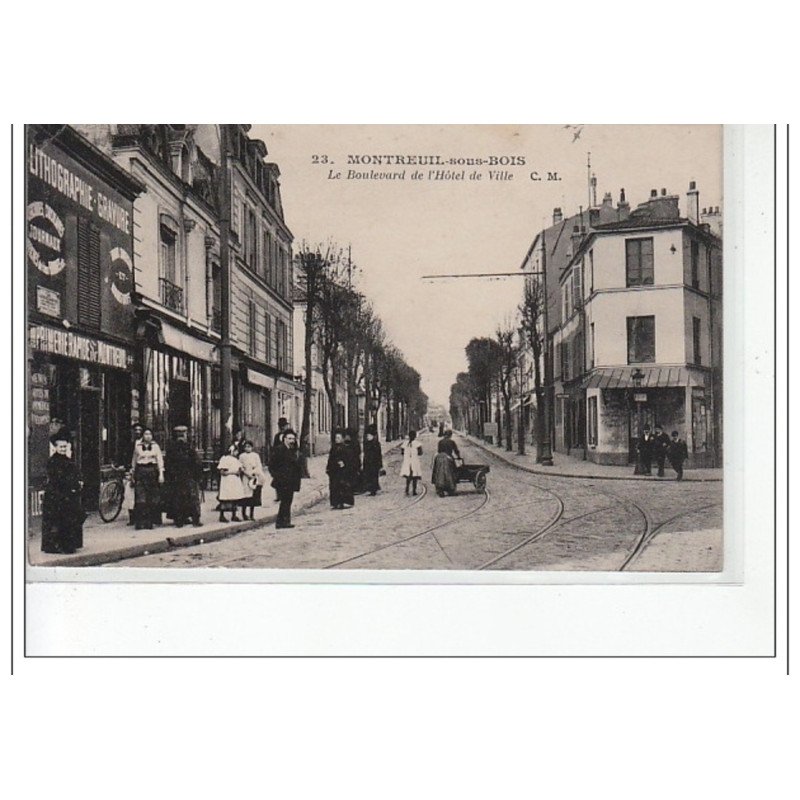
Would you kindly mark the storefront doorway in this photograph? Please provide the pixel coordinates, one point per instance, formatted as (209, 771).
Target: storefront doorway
(90, 445)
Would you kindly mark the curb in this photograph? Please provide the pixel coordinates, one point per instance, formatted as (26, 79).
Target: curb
(593, 477)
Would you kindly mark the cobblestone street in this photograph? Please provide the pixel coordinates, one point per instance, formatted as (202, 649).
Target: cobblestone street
(522, 522)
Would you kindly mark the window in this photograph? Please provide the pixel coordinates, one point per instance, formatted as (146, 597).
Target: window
(264, 261)
(281, 344)
(566, 300)
(695, 265)
(591, 346)
(639, 262)
(89, 283)
(696, 341)
(577, 286)
(215, 314)
(268, 340)
(252, 327)
(591, 420)
(168, 254)
(250, 238)
(591, 271)
(577, 354)
(641, 340)
(565, 354)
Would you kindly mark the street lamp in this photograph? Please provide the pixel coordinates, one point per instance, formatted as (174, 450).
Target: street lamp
(637, 376)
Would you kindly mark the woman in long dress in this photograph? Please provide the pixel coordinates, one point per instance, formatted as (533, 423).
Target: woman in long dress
(147, 478)
(62, 512)
(253, 473)
(412, 465)
(339, 471)
(231, 491)
(373, 461)
(444, 465)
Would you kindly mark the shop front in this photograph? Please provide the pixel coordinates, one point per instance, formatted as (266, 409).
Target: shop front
(618, 409)
(83, 384)
(255, 408)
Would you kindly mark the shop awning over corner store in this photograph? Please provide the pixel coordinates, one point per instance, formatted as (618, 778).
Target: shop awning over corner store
(654, 378)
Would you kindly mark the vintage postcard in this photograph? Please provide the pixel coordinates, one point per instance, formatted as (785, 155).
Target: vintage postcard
(488, 348)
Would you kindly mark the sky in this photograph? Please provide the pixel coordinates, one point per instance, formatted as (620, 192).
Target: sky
(402, 230)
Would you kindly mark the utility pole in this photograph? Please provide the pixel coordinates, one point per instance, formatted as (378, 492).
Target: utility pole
(224, 203)
(544, 452)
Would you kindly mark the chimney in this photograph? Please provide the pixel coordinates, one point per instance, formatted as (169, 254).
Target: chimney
(607, 200)
(557, 216)
(693, 203)
(713, 219)
(623, 207)
(575, 238)
(653, 194)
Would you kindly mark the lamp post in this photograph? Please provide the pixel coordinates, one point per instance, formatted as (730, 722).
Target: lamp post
(637, 376)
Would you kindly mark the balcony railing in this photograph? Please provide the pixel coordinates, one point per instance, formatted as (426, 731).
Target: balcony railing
(172, 295)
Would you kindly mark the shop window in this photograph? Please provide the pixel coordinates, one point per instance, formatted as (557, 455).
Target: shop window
(641, 340)
(639, 262)
(696, 341)
(89, 281)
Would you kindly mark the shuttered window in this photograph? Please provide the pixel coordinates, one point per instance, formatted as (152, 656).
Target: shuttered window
(641, 339)
(88, 274)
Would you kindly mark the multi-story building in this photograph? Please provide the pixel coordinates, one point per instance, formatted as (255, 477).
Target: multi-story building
(80, 249)
(640, 333)
(178, 282)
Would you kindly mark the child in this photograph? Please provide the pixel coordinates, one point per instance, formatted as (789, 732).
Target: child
(230, 485)
(253, 473)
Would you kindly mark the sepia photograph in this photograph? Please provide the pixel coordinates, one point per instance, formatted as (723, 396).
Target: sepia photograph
(464, 348)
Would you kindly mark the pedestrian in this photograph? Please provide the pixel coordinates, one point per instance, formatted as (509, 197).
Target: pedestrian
(59, 431)
(412, 466)
(62, 511)
(373, 461)
(284, 466)
(445, 475)
(230, 485)
(283, 424)
(644, 449)
(338, 471)
(678, 453)
(351, 440)
(253, 472)
(238, 441)
(130, 495)
(147, 478)
(661, 444)
(183, 472)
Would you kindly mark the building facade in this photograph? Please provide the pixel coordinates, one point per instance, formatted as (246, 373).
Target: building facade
(80, 246)
(640, 334)
(178, 285)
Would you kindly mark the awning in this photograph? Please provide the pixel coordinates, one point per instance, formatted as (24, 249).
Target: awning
(258, 378)
(654, 378)
(185, 343)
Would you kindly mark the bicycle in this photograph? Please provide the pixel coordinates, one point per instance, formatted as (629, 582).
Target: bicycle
(112, 493)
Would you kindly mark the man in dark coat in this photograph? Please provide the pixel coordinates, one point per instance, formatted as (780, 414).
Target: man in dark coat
(678, 453)
(283, 426)
(339, 471)
(660, 447)
(183, 471)
(62, 511)
(284, 467)
(644, 447)
(351, 440)
(373, 461)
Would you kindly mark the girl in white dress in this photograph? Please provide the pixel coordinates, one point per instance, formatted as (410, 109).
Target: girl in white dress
(230, 485)
(253, 473)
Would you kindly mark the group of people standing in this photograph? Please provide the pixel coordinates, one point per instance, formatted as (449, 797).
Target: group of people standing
(347, 473)
(657, 446)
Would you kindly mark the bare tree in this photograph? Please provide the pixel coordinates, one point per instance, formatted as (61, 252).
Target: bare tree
(508, 351)
(531, 311)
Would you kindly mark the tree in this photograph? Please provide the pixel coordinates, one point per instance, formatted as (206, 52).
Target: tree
(482, 358)
(508, 350)
(531, 312)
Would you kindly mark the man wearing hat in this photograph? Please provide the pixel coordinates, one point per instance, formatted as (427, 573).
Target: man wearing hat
(62, 512)
(644, 448)
(373, 461)
(183, 471)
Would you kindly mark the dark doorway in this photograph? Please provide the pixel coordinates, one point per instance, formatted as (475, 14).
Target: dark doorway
(180, 404)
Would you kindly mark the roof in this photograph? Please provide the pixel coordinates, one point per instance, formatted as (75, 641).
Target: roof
(641, 222)
(654, 378)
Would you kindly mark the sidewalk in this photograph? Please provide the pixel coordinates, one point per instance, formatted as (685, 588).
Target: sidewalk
(105, 542)
(569, 466)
